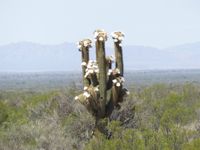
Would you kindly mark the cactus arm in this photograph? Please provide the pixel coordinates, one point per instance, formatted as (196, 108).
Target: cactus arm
(118, 37)
(85, 59)
(119, 58)
(115, 95)
(102, 75)
(84, 46)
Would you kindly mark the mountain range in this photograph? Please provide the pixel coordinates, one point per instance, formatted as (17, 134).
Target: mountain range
(28, 56)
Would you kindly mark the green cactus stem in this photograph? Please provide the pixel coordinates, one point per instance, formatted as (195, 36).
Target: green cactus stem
(118, 37)
(101, 38)
(96, 33)
(119, 58)
(115, 95)
(97, 50)
(84, 46)
(109, 61)
(94, 80)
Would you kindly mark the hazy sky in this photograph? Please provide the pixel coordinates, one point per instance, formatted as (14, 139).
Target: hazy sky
(159, 23)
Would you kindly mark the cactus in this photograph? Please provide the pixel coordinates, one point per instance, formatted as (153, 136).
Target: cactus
(103, 85)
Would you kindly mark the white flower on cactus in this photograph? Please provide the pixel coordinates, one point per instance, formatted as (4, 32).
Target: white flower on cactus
(85, 43)
(120, 44)
(97, 70)
(86, 75)
(113, 34)
(117, 36)
(127, 92)
(118, 84)
(115, 40)
(117, 71)
(89, 67)
(76, 98)
(96, 34)
(101, 39)
(85, 88)
(86, 94)
(96, 89)
(79, 46)
(114, 81)
(83, 64)
(96, 67)
(122, 79)
(109, 71)
(120, 38)
(91, 71)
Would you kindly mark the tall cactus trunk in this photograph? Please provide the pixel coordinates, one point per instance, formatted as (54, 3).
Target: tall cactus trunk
(102, 76)
(119, 57)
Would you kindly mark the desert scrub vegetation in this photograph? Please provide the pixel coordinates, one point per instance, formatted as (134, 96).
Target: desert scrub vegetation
(155, 117)
(165, 117)
(43, 120)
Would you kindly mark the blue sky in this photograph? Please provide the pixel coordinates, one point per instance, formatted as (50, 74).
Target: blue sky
(158, 23)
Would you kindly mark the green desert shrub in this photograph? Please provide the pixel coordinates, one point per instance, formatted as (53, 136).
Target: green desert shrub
(192, 145)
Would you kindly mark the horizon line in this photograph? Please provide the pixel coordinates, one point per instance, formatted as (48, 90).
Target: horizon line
(67, 42)
(126, 71)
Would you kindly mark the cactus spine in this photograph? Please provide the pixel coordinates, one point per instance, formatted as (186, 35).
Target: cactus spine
(103, 88)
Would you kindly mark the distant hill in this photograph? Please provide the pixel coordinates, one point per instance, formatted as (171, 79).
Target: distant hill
(27, 56)
(178, 57)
